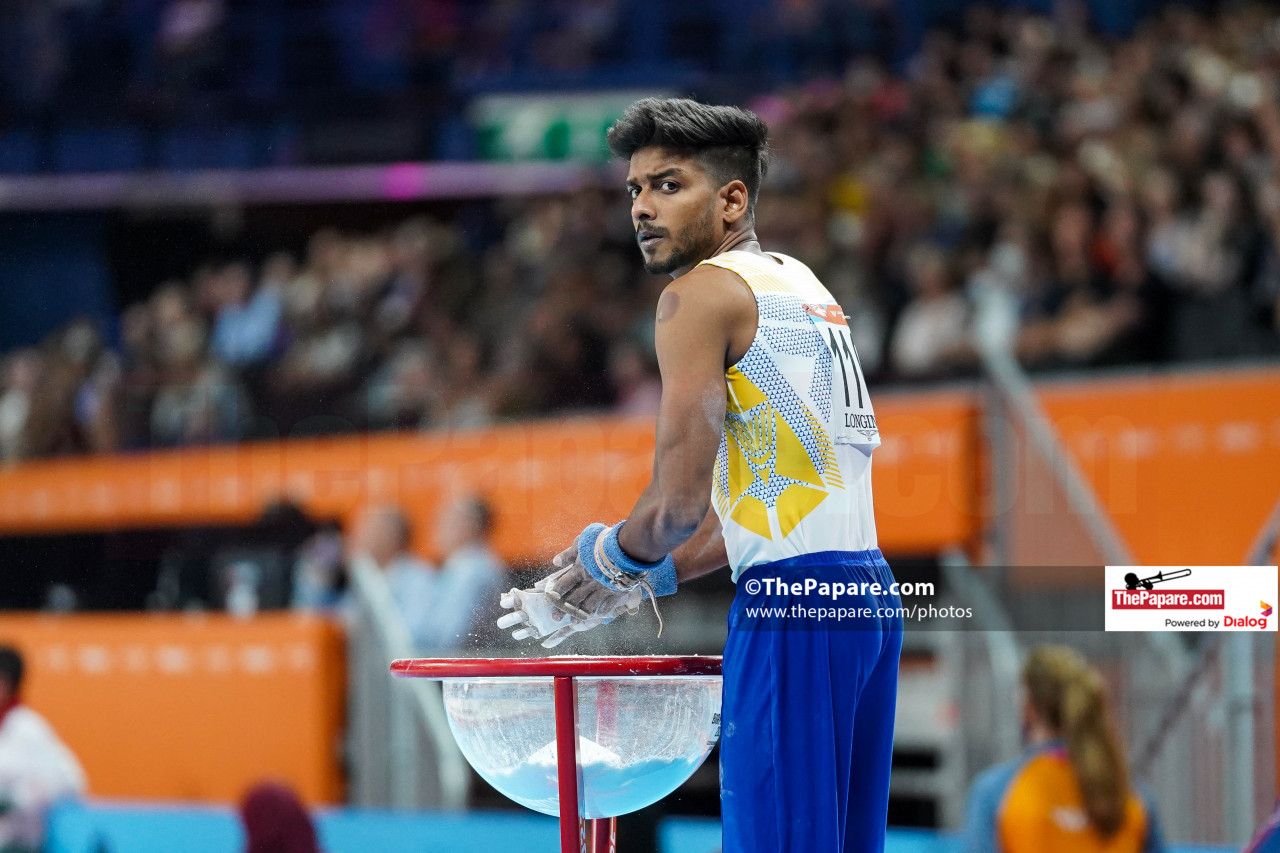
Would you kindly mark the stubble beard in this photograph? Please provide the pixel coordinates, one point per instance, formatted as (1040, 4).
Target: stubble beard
(692, 243)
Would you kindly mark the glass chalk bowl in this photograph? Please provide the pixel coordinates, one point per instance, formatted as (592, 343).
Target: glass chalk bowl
(639, 737)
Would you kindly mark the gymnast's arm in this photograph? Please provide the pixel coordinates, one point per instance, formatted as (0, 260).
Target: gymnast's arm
(703, 552)
(699, 315)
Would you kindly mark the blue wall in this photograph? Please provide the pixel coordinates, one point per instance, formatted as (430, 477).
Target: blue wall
(52, 269)
(125, 828)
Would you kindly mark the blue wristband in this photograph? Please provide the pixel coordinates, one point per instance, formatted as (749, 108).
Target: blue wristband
(661, 576)
(587, 552)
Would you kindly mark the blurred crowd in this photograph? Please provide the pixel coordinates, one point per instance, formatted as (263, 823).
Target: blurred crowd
(1023, 185)
(400, 330)
(447, 605)
(1027, 184)
(221, 60)
(289, 560)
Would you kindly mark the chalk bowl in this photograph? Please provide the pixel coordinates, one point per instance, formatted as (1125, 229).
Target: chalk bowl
(639, 738)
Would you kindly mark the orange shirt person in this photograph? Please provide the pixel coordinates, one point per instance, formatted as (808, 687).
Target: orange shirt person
(1069, 792)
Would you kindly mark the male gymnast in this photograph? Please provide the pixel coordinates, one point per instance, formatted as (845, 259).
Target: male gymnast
(763, 463)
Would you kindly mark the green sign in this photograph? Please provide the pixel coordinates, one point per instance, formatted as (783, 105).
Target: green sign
(548, 127)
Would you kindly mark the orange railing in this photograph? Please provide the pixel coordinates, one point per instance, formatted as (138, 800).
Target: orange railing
(189, 707)
(1186, 465)
(545, 479)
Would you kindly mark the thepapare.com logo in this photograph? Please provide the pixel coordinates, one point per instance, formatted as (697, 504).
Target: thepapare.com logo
(1144, 593)
(1183, 598)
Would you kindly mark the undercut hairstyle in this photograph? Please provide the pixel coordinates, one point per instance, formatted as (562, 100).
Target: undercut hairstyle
(730, 143)
(11, 667)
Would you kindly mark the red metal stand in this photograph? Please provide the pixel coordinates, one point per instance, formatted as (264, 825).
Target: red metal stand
(604, 835)
(572, 830)
(575, 834)
(533, 667)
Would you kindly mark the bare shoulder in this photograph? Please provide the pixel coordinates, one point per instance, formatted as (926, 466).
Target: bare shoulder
(711, 305)
(707, 291)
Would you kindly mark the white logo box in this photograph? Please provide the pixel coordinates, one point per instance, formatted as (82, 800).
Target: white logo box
(1191, 598)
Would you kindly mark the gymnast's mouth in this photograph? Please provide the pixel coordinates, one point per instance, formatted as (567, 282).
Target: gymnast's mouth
(649, 238)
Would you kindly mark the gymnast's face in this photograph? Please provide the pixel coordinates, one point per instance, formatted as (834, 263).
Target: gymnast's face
(673, 210)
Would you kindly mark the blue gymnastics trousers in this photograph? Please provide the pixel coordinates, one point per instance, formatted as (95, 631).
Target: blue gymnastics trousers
(807, 719)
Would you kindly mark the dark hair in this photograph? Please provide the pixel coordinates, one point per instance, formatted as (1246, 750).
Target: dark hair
(482, 513)
(11, 667)
(729, 142)
(404, 527)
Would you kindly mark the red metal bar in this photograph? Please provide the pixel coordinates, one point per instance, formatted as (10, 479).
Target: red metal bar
(602, 830)
(604, 835)
(568, 666)
(570, 781)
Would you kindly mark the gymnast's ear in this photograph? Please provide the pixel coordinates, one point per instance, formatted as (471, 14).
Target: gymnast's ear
(735, 202)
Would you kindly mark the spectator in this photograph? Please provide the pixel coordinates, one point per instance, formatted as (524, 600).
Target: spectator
(21, 376)
(634, 379)
(141, 379)
(276, 821)
(98, 405)
(471, 577)
(319, 580)
(51, 427)
(466, 401)
(402, 300)
(1070, 789)
(199, 402)
(328, 343)
(1267, 286)
(932, 334)
(382, 536)
(1086, 313)
(247, 324)
(403, 394)
(36, 768)
(1216, 258)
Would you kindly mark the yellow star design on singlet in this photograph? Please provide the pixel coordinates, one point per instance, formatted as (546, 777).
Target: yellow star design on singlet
(768, 466)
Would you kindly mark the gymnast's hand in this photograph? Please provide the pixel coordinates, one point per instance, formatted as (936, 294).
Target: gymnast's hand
(577, 594)
(536, 615)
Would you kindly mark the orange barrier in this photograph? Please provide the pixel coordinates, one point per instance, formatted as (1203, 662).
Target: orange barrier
(926, 478)
(189, 707)
(1188, 465)
(547, 479)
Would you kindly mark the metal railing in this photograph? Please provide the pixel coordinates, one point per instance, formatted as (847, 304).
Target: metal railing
(401, 753)
(1202, 718)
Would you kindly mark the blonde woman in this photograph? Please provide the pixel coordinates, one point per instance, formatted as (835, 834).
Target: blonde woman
(1070, 789)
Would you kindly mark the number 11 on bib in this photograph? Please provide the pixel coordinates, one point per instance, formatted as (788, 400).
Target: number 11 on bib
(853, 421)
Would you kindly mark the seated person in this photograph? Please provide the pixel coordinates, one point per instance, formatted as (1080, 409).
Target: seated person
(471, 577)
(1069, 792)
(383, 536)
(276, 821)
(36, 768)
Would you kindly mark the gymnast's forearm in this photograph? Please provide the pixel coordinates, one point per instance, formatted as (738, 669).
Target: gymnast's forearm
(703, 552)
(659, 524)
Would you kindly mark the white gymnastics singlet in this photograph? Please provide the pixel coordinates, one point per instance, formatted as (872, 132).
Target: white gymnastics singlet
(793, 473)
